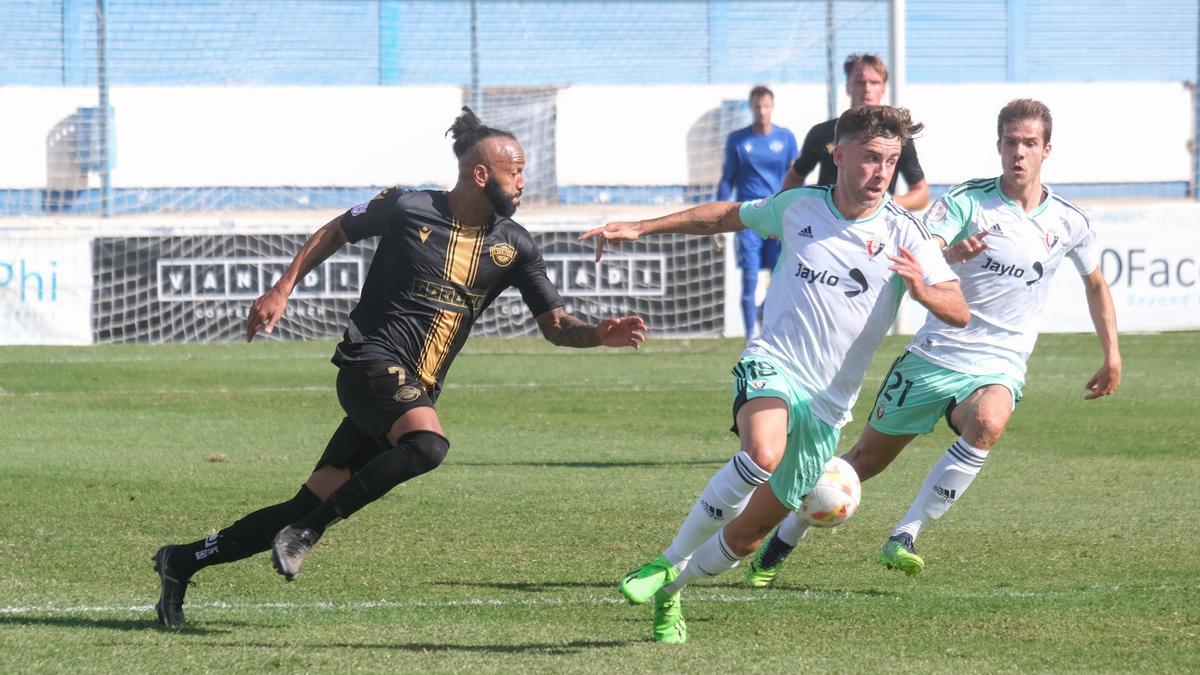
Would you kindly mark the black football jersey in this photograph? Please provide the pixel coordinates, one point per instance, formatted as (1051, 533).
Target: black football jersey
(431, 278)
(818, 150)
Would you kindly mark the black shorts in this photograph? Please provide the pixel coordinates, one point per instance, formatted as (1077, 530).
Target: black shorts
(374, 396)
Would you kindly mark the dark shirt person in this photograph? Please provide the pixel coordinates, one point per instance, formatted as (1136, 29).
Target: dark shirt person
(866, 83)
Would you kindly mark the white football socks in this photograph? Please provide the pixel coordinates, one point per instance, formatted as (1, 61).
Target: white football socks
(945, 484)
(711, 559)
(723, 499)
(792, 529)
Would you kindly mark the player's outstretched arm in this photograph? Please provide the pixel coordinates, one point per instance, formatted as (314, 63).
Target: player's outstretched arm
(565, 330)
(269, 307)
(944, 300)
(710, 218)
(1104, 318)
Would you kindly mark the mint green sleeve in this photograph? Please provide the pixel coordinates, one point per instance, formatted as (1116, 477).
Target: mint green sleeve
(763, 216)
(949, 218)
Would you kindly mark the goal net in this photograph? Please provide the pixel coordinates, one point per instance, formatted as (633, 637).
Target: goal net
(182, 288)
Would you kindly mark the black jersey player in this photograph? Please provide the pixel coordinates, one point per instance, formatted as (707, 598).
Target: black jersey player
(441, 259)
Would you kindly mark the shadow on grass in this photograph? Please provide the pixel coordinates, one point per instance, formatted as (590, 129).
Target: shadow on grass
(782, 590)
(70, 621)
(790, 589)
(616, 464)
(550, 648)
(531, 586)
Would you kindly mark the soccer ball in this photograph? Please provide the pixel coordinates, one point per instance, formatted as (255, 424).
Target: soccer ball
(835, 496)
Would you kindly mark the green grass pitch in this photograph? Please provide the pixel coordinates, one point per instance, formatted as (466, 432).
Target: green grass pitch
(1077, 549)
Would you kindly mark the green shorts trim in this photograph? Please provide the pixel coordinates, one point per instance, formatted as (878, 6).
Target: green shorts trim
(811, 441)
(916, 393)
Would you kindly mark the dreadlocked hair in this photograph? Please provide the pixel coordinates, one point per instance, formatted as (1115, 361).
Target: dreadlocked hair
(467, 131)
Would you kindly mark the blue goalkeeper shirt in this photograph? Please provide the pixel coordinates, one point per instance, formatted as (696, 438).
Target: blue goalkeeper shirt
(756, 164)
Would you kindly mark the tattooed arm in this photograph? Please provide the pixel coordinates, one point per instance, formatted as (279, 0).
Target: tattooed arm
(565, 330)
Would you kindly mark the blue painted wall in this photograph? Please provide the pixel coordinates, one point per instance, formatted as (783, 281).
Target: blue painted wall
(550, 43)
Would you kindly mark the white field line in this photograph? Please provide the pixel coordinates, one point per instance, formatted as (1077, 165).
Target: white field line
(354, 606)
(586, 601)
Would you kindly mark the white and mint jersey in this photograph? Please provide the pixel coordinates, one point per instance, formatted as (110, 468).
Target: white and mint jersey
(832, 297)
(1006, 286)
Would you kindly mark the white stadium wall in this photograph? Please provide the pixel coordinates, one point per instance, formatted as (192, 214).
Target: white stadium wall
(605, 135)
(611, 135)
(1104, 132)
(251, 136)
(29, 113)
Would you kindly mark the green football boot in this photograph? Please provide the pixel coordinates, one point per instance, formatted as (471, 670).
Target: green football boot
(759, 576)
(767, 562)
(669, 627)
(900, 554)
(640, 585)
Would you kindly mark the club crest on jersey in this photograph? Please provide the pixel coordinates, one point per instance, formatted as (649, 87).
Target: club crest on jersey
(407, 393)
(829, 147)
(776, 146)
(424, 233)
(938, 212)
(1051, 241)
(503, 254)
(874, 247)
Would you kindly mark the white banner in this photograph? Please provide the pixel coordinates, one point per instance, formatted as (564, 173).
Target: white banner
(45, 290)
(1150, 256)
(1152, 271)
